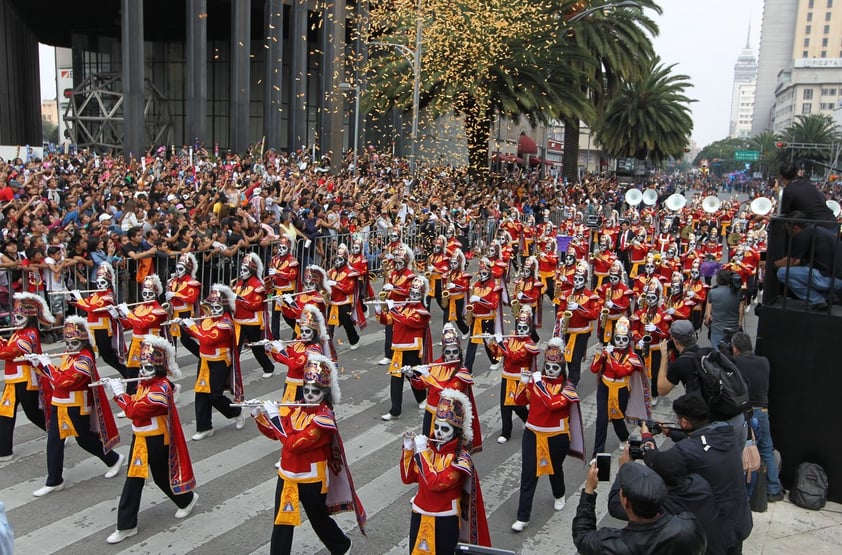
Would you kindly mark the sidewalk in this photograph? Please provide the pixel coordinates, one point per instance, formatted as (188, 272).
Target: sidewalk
(787, 528)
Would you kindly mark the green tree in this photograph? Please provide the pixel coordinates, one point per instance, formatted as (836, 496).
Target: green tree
(813, 129)
(649, 117)
(766, 144)
(481, 58)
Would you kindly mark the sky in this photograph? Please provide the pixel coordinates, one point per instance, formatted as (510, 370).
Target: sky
(703, 37)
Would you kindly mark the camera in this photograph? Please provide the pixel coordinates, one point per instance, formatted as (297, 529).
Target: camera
(635, 448)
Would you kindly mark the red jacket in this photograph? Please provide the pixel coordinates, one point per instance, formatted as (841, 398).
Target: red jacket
(213, 335)
(440, 472)
(409, 325)
(22, 342)
(250, 301)
(145, 318)
(549, 405)
(186, 292)
(618, 364)
(306, 434)
(284, 278)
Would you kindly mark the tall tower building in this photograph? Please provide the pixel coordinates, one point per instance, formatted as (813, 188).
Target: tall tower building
(742, 96)
(776, 41)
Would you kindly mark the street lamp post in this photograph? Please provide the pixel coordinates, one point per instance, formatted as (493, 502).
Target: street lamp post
(345, 86)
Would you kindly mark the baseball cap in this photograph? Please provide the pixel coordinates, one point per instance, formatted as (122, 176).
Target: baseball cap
(642, 484)
(104, 217)
(682, 330)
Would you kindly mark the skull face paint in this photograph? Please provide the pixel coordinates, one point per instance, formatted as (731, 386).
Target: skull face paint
(522, 328)
(180, 270)
(649, 269)
(102, 284)
(614, 279)
(452, 354)
(306, 334)
(578, 281)
(400, 263)
(245, 273)
(552, 369)
(312, 394)
(339, 262)
(394, 237)
(73, 345)
(694, 274)
(484, 275)
(147, 294)
(651, 299)
(216, 309)
(146, 372)
(19, 317)
(283, 249)
(442, 431)
(356, 248)
(621, 341)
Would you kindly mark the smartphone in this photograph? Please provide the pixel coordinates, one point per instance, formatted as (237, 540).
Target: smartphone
(603, 467)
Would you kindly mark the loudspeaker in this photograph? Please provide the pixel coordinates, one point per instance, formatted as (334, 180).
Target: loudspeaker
(805, 389)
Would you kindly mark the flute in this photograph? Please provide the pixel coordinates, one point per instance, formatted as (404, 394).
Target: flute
(25, 358)
(179, 320)
(258, 403)
(13, 328)
(262, 343)
(71, 292)
(490, 336)
(394, 303)
(124, 380)
(107, 308)
(411, 435)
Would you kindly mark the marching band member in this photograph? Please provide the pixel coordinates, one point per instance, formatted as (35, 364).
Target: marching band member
(358, 262)
(446, 372)
(438, 266)
(547, 266)
(619, 391)
(499, 267)
(638, 253)
(616, 297)
(650, 325)
(219, 368)
(107, 330)
(315, 290)
(602, 260)
(283, 280)
(313, 339)
(158, 445)
(553, 429)
(144, 319)
(448, 505)
(676, 304)
(529, 235)
(250, 313)
(398, 281)
(576, 313)
(697, 293)
(183, 294)
(518, 353)
(669, 263)
(73, 405)
(345, 306)
(692, 256)
(458, 281)
(453, 243)
(394, 244)
(515, 231)
(485, 304)
(649, 273)
(528, 289)
(23, 385)
(564, 277)
(713, 246)
(411, 342)
(313, 462)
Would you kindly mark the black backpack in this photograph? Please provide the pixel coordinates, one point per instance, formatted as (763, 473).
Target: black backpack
(809, 488)
(723, 387)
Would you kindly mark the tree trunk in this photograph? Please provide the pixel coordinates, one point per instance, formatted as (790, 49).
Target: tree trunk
(570, 158)
(478, 133)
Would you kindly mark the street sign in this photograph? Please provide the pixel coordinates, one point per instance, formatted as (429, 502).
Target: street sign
(747, 155)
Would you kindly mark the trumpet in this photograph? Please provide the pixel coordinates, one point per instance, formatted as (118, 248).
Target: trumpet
(253, 403)
(124, 380)
(25, 358)
(647, 344)
(68, 292)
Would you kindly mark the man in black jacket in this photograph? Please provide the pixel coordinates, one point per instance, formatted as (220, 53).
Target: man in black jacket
(710, 450)
(800, 194)
(685, 492)
(650, 530)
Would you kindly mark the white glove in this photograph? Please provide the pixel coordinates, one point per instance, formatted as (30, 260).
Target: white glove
(408, 443)
(44, 360)
(562, 279)
(169, 295)
(388, 287)
(670, 311)
(650, 327)
(422, 369)
(123, 309)
(474, 299)
(271, 409)
(572, 306)
(608, 349)
(331, 282)
(640, 345)
(431, 268)
(76, 294)
(691, 294)
(609, 304)
(451, 286)
(498, 337)
(390, 304)
(378, 308)
(420, 443)
(525, 377)
(276, 346)
(117, 387)
(520, 295)
(287, 298)
(536, 377)
(272, 271)
(188, 322)
(255, 411)
(112, 311)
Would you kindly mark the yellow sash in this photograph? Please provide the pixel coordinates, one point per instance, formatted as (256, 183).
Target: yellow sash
(175, 329)
(451, 310)
(571, 344)
(425, 542)
(599, 279)
(203, 379)
(634, 267)
(133, 360)
(614, 387)
(476, 331)
(542, 452)
(289, 510)
(333, 315)
(433, 280)
(397, 364)
(290, 393)
(65, 425)
(514, 389)
(7, 402)
(237, 329)
(139, 465)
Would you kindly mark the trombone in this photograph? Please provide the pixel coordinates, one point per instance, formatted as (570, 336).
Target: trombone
(25, 358)
(124, 380)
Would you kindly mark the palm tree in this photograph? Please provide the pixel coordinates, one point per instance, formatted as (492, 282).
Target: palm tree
(766, 143)
(817, 130)
(649, 117)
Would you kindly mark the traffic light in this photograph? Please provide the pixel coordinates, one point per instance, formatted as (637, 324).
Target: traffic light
(780, 144)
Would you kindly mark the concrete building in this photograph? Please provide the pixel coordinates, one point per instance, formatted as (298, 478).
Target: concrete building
(742, 96)
(811, 86)
(776, 40)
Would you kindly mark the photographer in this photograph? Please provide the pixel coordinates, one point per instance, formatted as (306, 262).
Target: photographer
(725, 307)
(710, 450)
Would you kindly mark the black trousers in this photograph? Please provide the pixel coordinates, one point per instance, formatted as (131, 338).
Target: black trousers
(550, 290)
(387, 345)
(29, 400)
(471, 352)
(219, 373)
(460, 312)
(107, 352)
(313, 502)
(346, 320)
(276, 324)
(656, 369)
(187, 340)
(86, 439)
(250, 334)
(601, 432)
(506, 412)
(559, 445)
(410, 358)
(158, 461)
(580, 349)
(447, 532)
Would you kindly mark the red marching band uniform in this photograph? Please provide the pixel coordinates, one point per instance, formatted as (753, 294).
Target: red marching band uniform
(438, 266)
(183, 292)
(345, 306)
(616, 297)
(251, 312)
(282, 278)
(650, 325)
(576, 313)
(294, 354)
(106, 327)
(528, 290)
(456, 286)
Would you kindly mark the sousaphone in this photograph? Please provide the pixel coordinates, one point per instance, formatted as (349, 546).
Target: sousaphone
(675, 202)
(650, 197)
(835, 207)
(634, 197)
(761, 206)
(711, 204)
